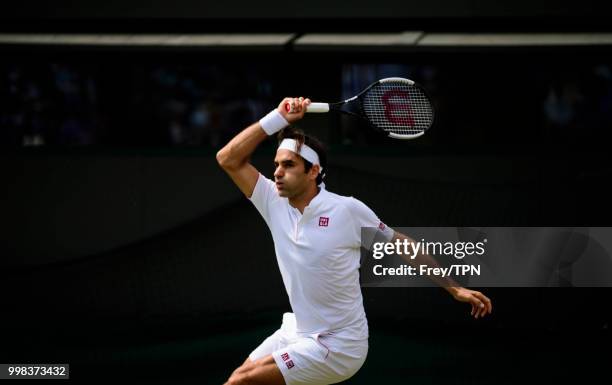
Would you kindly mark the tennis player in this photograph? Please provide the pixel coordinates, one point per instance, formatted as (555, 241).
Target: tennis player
(317, 239)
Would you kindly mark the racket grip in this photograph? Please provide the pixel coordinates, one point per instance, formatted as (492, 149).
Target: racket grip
(318, 107)
(312, 107)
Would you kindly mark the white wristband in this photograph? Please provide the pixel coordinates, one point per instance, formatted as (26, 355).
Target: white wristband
(273, 122)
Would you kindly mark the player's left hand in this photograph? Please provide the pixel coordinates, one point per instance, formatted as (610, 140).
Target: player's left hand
(481, 305)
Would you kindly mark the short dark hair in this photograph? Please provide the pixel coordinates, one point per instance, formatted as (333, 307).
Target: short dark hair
(291, 132)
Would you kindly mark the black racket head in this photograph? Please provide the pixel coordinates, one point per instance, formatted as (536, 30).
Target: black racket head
(398, 106)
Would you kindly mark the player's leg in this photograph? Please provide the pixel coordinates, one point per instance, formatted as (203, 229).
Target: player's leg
(260, 372)
(261, 361)
(246, 366)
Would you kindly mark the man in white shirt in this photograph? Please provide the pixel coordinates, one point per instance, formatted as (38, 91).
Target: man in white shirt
(317, 239)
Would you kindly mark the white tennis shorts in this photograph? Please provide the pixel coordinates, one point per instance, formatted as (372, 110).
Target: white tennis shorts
(313, 359)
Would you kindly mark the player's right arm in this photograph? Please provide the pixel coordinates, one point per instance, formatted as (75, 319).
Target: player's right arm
(234, 156)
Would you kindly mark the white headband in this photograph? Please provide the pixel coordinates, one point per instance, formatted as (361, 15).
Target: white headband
(305, 152)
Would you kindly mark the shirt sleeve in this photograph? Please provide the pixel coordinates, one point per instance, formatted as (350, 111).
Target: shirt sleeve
(373, 227)
(263, 195)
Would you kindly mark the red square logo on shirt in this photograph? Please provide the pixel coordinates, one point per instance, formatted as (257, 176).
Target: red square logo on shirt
(381, 226)
(289, 364)
(285, 356)
(323, 221)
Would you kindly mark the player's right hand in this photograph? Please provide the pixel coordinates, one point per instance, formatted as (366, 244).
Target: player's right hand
(293, 109)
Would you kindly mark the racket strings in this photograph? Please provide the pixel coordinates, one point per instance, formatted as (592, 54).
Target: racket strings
(399, 108)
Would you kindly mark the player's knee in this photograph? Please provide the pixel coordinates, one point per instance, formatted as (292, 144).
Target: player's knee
(248, 373)
(248, 365)
(233, 380)
(239, 379)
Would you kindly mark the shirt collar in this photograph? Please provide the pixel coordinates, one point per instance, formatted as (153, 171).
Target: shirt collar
(318, 199)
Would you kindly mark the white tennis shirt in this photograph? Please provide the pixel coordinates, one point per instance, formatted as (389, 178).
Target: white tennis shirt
(318, 253)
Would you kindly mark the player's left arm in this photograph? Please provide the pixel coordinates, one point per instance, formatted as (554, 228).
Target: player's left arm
(481, 304)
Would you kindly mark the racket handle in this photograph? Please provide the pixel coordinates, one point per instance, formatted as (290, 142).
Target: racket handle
(318, 107)
(312, 107)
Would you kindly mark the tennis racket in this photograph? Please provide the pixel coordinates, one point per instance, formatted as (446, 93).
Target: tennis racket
(397, 106)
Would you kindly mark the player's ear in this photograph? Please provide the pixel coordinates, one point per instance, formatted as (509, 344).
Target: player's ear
(314, 170)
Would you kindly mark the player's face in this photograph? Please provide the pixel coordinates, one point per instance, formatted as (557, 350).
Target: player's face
(289, 175)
